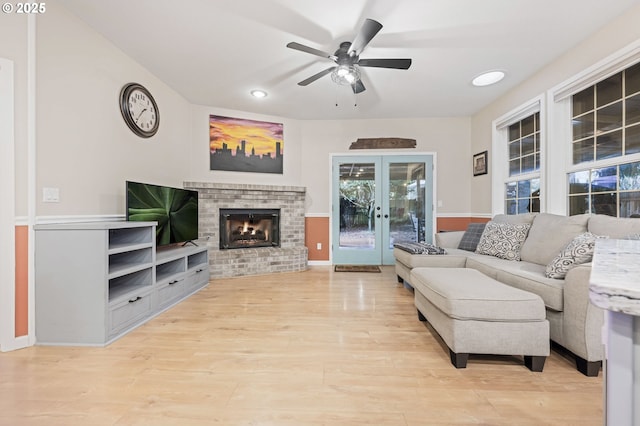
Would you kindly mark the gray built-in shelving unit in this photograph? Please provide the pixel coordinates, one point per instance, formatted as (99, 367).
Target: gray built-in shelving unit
(95, 282)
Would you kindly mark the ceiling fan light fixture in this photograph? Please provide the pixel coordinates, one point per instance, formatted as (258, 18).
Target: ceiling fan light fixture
(258, 94)
(345, 75)
(488, 78)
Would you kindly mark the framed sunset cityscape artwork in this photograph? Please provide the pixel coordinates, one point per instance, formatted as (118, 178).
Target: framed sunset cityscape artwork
(241, 145)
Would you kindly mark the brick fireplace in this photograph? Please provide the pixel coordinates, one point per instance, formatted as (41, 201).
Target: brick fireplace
(290, 256)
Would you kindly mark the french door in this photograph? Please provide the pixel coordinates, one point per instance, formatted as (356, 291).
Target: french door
(378, 201)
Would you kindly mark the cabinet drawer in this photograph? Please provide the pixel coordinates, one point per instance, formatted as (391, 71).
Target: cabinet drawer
(170, 292)
(129, 312)
(197, 278)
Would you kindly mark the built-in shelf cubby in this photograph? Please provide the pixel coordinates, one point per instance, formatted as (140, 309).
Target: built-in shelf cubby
(97, 281)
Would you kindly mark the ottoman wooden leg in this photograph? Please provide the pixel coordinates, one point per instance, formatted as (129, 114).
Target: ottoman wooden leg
(458, 360)
(534, 363)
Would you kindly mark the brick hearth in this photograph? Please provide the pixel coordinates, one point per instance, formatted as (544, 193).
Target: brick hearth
(292, 253)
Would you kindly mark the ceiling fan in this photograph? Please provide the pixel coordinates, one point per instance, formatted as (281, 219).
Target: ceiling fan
(347, 59)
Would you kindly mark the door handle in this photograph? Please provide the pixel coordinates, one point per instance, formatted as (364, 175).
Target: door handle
(386, 216)
(378, 216)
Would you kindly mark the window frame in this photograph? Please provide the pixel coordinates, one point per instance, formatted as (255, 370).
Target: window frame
(500, 148)
(559, 98)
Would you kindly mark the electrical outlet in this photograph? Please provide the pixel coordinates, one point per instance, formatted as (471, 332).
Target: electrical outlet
(319, 246)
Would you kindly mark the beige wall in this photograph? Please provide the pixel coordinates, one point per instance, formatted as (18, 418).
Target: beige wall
(199, 151)
(609, 39)
(13, 46)
(84, 148)
(447, 137)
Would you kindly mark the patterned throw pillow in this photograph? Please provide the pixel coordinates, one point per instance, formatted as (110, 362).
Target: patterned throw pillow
(471, 236)
(578, 251)
(419, 248)
(503, 240)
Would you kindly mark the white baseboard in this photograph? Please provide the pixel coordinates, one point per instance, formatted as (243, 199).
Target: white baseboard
(319, 263)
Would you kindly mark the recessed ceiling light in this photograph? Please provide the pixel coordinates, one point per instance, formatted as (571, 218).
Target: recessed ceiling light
(488, 78)
(258, 93)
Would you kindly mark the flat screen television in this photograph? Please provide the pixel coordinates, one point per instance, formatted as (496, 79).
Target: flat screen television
(175, 210)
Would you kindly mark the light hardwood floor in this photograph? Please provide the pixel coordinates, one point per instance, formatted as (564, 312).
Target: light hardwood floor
(310, 348)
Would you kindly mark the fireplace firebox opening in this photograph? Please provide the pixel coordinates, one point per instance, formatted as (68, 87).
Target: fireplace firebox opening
(249, 228)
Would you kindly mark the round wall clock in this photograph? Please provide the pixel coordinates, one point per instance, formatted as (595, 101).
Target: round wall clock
(139, 110)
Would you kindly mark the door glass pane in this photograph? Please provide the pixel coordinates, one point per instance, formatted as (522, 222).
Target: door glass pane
(406, 202)
(357, 201)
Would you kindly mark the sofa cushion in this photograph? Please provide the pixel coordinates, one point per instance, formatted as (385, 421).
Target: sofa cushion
(503, 240)
(515, 218)
(578, 251)
(549, 234)
(466, 294)
(471, 236)
(613, 227)
(523, 275)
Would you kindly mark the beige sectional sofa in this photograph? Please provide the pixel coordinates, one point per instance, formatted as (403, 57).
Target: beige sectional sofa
(574, 322)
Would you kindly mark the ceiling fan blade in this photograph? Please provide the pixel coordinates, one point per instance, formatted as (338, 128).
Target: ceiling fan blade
(316, 76)
(400, 64)
(307, 49)
(358, 87)
(368, 31)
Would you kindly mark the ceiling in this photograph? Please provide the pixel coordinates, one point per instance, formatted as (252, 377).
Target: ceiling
(214, 52)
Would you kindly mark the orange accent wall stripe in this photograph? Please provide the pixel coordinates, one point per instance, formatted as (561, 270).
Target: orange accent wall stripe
(458, 223)
(22, 281)
(316, 230)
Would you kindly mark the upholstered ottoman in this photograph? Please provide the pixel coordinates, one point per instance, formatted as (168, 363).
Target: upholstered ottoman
(476, 314)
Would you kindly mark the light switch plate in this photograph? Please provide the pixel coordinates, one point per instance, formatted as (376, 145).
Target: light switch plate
(50, 195)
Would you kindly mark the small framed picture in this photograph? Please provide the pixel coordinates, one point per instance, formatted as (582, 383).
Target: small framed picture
(480, 163)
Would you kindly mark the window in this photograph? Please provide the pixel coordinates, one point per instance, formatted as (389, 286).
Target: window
(613, 190)
(522, 196)
(522, 188)
(605, 120)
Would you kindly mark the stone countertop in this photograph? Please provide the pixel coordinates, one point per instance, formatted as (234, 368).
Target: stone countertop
(615, 276)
